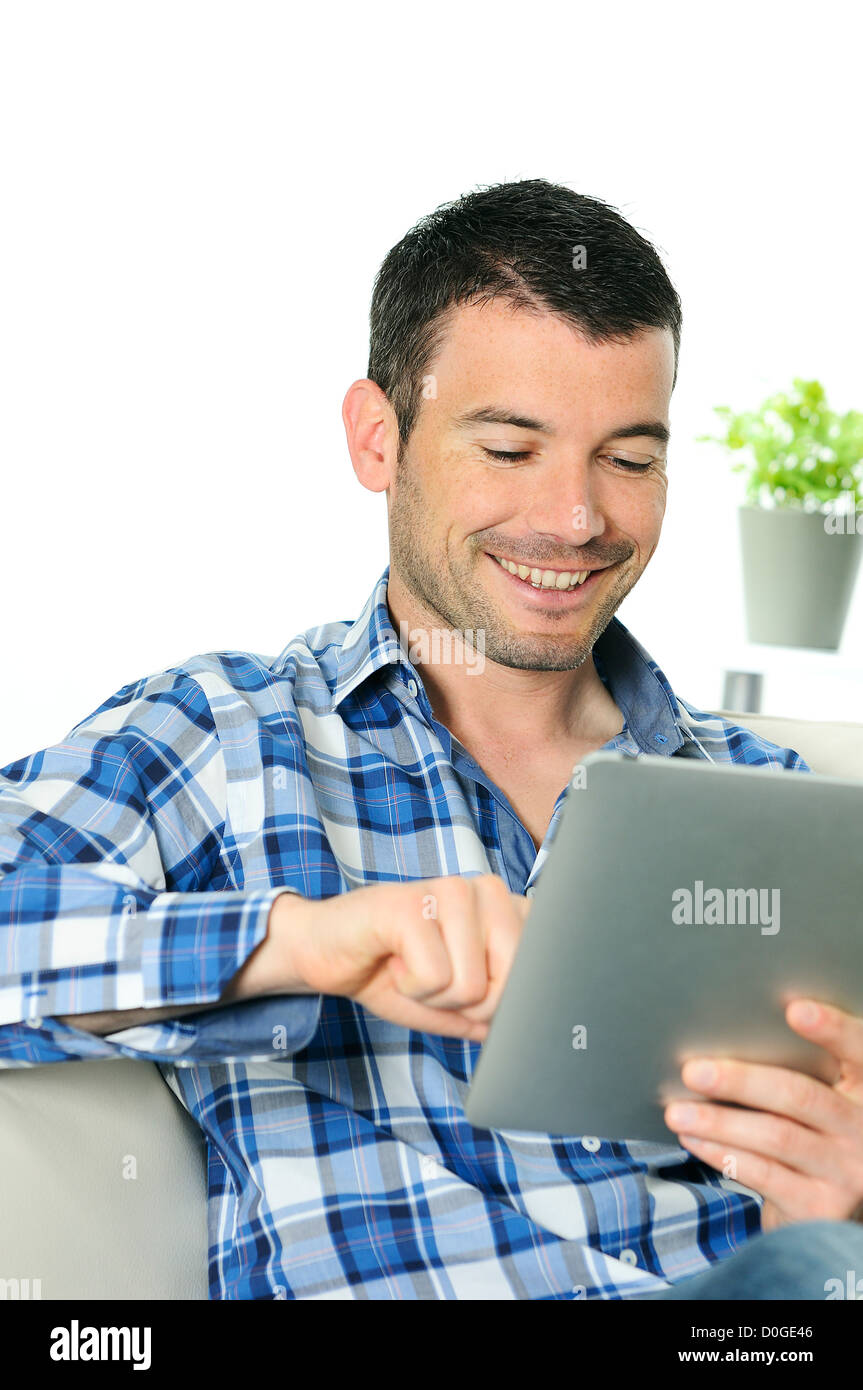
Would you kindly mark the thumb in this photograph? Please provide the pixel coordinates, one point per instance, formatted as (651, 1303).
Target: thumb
(404, 982)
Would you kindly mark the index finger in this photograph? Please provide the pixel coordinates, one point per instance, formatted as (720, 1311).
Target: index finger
(502, 914)
(773, 1089)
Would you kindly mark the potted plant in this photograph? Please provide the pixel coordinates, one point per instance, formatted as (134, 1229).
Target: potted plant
(801, 527)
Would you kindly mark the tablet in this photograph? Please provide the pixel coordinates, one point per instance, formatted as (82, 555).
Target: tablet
(682, 905)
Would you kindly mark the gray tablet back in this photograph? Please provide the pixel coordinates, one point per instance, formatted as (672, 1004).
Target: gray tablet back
(682, 904)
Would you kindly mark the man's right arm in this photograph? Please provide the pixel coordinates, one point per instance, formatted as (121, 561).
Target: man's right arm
(102, 957)
(437, 972)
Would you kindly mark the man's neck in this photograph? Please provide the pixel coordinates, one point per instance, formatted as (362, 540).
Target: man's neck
(481, 701)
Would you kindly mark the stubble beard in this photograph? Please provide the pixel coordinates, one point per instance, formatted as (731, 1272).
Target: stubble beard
(454, 601)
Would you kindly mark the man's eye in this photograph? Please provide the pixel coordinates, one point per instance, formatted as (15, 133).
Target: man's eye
(505, 454)
(627, 464)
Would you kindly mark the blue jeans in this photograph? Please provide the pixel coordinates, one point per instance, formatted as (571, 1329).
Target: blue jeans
(807, 1259)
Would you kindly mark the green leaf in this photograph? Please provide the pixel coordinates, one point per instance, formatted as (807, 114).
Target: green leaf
(785, 439)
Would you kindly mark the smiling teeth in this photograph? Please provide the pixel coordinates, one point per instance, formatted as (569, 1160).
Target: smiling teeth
(545, 579)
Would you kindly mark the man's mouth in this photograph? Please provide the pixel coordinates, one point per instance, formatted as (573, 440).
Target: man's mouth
(534, 577)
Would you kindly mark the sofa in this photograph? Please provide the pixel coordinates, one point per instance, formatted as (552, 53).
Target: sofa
(72, 1228)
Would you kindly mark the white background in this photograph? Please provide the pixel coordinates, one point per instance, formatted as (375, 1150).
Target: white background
(196, 198)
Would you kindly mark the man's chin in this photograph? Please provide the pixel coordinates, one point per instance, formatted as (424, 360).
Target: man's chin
(532, 651)
(512, 641)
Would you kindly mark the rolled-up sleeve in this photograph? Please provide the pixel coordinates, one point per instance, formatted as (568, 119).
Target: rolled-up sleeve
(113, 858)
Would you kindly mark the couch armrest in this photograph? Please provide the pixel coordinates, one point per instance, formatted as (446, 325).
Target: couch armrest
(103, 1183)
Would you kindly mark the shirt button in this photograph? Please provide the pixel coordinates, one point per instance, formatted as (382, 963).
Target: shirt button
(529, 892)
(429, 1167)
(34, 1023)
(412, 687)
(628, 1257)
(591, 1143)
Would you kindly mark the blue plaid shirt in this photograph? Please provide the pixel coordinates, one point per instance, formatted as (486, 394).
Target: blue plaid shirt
(139, 860)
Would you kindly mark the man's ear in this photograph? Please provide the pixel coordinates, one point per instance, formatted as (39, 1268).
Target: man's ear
(372, 434)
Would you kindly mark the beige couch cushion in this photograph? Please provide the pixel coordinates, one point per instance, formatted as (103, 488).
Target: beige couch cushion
(835, 749)
(73, 1217)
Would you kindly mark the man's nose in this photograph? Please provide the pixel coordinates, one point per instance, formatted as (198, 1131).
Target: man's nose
(565, 506)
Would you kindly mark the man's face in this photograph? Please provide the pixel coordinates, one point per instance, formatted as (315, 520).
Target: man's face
(574, 490)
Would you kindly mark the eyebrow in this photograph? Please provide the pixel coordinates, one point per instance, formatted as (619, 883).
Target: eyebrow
(497, 415)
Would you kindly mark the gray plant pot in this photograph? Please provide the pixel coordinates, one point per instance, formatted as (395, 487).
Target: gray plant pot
(798, 577)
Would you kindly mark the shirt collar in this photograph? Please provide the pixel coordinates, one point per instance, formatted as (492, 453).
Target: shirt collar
(640, 689)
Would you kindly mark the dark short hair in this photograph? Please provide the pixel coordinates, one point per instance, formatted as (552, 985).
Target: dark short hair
(515, 241)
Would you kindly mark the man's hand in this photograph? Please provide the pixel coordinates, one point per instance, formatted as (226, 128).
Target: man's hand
(800, 1141)
(430, 954)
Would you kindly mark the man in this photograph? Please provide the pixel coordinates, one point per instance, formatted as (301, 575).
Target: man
(298, 884)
